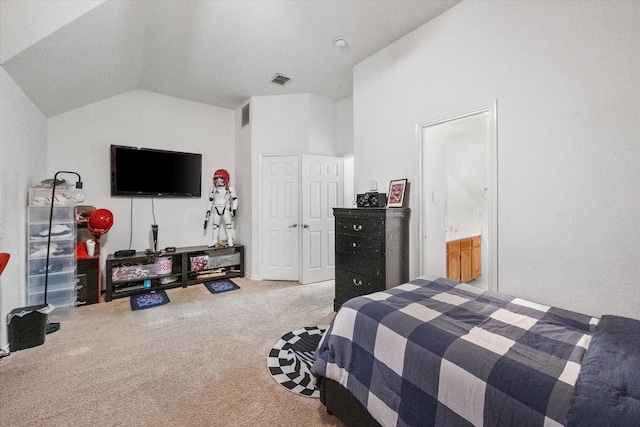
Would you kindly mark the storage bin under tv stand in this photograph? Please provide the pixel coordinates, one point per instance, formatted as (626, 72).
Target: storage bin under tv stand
(228, 261)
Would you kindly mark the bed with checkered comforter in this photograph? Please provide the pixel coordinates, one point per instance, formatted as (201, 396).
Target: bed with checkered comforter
(447, 354)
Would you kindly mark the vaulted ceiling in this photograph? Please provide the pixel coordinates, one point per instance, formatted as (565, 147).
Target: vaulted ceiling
(215, 52)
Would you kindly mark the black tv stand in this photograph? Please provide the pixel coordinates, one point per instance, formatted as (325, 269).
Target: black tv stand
(143, 272)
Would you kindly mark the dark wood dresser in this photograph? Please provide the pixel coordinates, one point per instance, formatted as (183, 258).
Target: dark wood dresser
(372, 250)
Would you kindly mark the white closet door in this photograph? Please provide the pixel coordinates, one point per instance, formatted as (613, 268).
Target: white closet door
(322, 188)
(280, 224)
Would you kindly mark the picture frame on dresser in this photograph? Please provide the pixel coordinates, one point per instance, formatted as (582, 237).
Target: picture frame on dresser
(397, 190)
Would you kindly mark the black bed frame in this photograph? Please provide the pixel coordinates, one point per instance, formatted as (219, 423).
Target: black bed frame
(341, 403)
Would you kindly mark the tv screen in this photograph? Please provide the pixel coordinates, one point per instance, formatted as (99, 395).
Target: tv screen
(157, 173)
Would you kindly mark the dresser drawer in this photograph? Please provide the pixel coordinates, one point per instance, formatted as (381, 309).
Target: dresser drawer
(359, 246)
(360, 226)
(366, 266)
(350, 285)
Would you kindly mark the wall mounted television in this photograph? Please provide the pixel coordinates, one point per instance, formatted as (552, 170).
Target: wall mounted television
(146, 172)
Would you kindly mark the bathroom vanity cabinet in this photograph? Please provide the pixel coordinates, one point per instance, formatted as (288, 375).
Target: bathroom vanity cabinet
(464, 259)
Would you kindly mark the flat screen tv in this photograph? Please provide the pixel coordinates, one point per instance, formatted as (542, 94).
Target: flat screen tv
(146, 172)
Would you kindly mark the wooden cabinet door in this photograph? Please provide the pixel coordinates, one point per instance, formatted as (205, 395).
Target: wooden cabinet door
(476, 264)
(476, 269)
(453, 260)
(465, 260)
(465, 265)
(453, 266)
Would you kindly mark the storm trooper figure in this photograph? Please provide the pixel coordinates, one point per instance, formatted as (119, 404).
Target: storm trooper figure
(224, 204)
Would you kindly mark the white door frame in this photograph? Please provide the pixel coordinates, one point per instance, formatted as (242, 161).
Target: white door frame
(493, 186)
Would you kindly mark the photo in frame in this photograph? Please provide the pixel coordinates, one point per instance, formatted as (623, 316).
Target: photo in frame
(397, 189)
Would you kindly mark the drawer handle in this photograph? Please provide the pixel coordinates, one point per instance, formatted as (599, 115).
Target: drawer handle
(357, 282)
(357, 227)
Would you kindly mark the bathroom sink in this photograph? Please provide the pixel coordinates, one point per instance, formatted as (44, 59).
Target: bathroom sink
(451, 236)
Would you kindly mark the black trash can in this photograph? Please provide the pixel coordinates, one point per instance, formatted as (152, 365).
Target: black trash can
(27, 326)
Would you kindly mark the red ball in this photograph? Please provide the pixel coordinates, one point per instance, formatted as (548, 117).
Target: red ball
(100, 221)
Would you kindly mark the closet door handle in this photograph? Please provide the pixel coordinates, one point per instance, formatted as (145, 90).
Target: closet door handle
(305, 225)
(293, 225)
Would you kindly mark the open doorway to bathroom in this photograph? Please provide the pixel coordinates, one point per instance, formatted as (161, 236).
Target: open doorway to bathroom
(459, 200)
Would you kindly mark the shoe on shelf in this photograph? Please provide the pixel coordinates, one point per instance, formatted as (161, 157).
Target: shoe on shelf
(62, 251)
(52, 269)
(60, 199)
(56, 231)
(42, 251)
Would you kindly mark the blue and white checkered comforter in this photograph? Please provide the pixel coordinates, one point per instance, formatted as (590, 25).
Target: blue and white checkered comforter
(437, 353)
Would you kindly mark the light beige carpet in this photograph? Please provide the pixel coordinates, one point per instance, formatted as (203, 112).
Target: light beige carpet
(198, 361)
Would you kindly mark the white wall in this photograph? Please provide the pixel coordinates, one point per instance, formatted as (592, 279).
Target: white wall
(322, 126)
(565, 78)
(244, 188)
(280, 124)
(344, 126)
(80, 141)
(23, 137)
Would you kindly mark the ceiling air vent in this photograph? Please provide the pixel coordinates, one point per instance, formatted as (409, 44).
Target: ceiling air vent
(245, 115)
(281, 80)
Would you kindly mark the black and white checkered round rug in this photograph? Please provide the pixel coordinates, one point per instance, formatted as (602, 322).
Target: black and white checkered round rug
(290, 360)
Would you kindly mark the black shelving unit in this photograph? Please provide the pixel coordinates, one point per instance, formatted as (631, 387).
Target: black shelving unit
(142, 272)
